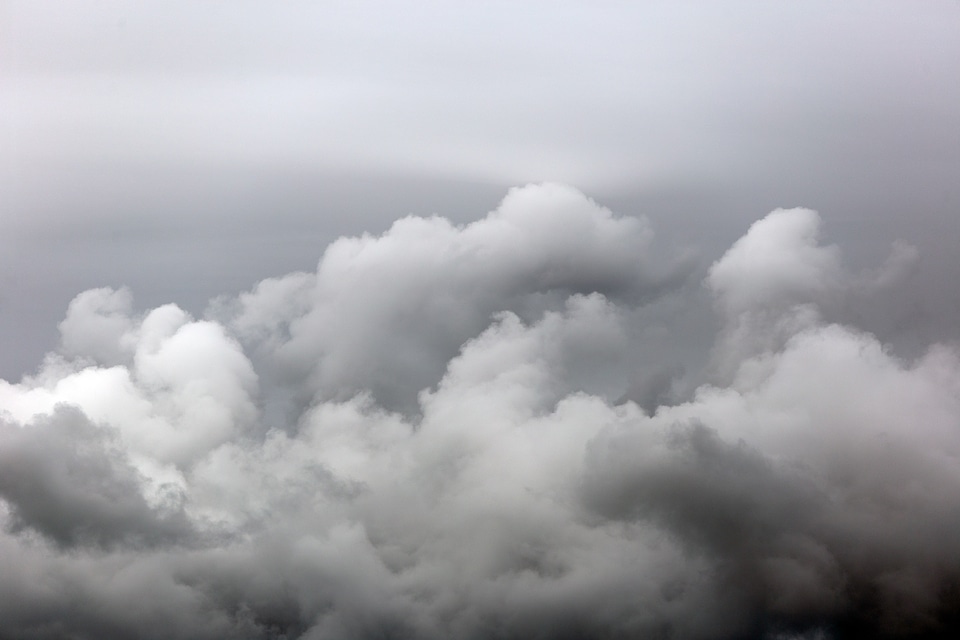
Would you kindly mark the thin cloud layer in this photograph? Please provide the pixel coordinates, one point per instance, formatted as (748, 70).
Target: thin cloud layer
(421, 440)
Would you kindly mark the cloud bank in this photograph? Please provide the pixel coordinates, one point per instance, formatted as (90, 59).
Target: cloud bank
(428, 437)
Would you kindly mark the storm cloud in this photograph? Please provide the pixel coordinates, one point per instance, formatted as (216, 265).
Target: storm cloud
(434, 435)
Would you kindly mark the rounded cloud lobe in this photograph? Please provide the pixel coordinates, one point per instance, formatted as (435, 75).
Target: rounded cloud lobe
(422, 440)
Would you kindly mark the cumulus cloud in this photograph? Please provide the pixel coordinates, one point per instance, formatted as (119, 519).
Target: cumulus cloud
(385, 314)
(427, 438)
(778, 260)
(779, 279)
(70, 481)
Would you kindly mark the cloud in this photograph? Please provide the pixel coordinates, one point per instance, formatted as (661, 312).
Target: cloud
(385, 314)
(779, 259)
(427, 438)
(778, 279)
(71, 482)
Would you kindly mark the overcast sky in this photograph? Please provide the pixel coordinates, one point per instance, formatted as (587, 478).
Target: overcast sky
(462, 319)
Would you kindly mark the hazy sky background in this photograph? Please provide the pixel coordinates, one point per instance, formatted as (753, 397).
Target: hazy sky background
(463, 320)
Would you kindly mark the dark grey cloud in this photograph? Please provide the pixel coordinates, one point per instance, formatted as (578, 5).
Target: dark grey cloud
(71, 482)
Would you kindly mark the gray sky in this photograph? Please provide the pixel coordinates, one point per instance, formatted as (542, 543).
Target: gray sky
(460, 320)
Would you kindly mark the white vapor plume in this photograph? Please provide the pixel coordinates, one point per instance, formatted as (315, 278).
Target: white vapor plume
(422, 440)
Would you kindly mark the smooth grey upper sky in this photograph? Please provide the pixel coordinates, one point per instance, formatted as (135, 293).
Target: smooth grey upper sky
(606, 95)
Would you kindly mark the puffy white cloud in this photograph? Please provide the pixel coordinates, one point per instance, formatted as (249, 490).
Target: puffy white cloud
(98, 326)
(420, 440)
(384, 314)
(778, 260)
(778, 280)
